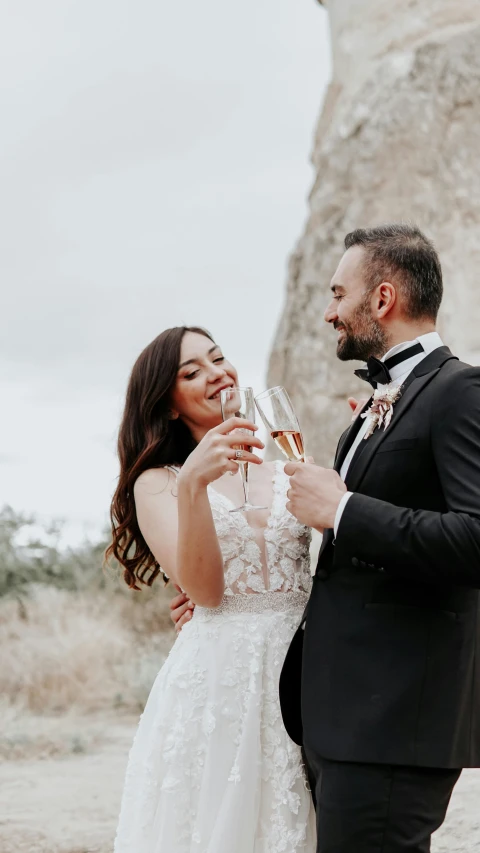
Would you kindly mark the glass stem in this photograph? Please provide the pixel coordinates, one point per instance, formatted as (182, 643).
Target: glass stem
(244, 475)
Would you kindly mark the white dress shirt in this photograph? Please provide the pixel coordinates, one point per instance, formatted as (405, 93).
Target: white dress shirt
(399, 374)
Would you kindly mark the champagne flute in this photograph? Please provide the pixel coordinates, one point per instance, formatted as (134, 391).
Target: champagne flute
(240, 403)
(278, 415)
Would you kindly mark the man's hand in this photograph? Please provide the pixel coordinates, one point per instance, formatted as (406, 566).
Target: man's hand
(181, 609)
(314, 494)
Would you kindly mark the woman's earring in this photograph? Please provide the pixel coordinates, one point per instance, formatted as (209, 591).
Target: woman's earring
(172, 416)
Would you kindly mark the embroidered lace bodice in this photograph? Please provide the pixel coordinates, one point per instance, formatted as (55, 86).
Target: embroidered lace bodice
(259, 559)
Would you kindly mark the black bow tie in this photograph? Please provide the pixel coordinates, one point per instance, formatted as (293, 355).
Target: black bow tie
(378, 372)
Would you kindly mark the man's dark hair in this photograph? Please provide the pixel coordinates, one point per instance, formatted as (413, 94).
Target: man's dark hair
(403, 255)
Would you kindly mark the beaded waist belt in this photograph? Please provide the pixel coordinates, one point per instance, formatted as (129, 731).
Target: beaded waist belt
(256, 602)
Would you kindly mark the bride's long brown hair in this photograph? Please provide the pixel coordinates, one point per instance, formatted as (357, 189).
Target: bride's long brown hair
(148, 438)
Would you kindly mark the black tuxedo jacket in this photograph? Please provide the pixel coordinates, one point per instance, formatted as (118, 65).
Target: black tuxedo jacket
(386, 667)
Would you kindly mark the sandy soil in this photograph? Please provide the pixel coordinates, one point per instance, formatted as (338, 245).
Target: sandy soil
(69, 803)
(66, 804)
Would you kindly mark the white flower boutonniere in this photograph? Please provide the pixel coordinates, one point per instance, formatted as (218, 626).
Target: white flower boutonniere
(381, 410)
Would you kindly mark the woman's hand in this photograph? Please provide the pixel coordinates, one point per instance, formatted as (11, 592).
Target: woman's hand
(215, 453)
(357, 405)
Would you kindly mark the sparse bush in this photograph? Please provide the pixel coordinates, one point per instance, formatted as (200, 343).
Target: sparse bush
(71, 650)
(74, 636)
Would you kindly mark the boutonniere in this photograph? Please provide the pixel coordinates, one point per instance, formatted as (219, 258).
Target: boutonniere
(381, 409)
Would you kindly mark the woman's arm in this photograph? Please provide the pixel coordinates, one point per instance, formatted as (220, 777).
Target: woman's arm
(176, 518)
(200, 570)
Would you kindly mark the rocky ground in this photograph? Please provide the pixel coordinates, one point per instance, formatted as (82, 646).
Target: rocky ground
(67, 802)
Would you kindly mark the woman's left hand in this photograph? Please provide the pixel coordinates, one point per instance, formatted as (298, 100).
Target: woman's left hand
(357, 405)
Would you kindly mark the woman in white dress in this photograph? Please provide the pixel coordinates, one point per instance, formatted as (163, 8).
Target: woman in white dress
(211, 769)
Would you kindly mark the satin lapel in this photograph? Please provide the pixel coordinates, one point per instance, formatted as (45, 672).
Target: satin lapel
(348, 438)
(416, 382)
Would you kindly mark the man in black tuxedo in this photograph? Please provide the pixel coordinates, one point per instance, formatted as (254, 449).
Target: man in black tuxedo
(381, 684)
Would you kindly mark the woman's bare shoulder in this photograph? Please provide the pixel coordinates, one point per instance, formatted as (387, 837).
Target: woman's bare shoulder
(155, 481)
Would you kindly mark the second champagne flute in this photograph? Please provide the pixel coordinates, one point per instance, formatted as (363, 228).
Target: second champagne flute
(240, 403)
(278, 415)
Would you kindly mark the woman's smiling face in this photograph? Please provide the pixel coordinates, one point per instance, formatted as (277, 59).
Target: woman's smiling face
(202, 373)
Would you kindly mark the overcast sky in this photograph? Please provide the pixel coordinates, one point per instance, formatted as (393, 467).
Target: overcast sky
(154, 171)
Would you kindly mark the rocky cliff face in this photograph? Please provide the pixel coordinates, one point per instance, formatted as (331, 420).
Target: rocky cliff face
(398, 140)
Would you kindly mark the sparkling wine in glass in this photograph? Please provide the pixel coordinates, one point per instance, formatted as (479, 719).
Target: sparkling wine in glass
(240, 403)
(278, 415)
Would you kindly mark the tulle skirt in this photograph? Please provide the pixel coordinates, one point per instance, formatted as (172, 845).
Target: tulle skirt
(212, 769)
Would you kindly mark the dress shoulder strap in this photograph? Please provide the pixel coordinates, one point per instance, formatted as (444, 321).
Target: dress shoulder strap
(173, 468)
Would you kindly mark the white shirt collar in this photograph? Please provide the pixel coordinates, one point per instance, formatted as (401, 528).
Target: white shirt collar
(430, 342)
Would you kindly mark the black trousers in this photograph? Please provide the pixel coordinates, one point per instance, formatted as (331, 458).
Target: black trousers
(377, 808)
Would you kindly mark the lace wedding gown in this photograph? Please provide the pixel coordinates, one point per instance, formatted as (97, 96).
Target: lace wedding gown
(212, 769)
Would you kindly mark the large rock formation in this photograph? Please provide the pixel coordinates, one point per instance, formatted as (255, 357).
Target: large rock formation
(398, 139)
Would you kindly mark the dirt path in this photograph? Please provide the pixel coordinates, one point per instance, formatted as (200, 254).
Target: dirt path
(70, 804)
(461, 831)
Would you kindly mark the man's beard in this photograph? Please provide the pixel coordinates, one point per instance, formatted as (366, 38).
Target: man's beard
(363, 336)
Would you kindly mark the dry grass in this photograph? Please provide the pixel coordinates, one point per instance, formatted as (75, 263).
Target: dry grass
(78, 651)
(26, 736)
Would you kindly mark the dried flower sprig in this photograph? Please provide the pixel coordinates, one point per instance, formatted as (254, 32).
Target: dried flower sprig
(381, 410)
